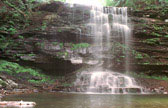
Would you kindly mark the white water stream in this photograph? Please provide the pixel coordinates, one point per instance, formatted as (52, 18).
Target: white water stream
(107, 82)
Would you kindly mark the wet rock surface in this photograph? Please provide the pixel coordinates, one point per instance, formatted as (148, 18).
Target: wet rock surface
(153, 86)
(10, 85)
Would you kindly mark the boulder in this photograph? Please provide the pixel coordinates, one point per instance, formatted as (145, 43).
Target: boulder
(11, 84)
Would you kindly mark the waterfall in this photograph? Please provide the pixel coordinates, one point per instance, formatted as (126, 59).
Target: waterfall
(104, 31)
(99, 80)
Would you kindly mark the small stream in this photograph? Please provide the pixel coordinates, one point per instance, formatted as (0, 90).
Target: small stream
(69, 100)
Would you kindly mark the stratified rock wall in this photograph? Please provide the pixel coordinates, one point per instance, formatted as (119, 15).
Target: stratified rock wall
(63, 44)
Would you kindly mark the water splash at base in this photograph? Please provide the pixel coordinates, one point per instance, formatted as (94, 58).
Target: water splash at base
(106, 82)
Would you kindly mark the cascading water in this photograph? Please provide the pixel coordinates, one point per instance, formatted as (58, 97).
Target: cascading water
(106, 82)
(103, 32)
(121, 29)
(100, 30)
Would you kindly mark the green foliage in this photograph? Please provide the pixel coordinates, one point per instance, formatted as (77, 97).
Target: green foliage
(50, 0)
(3, 9)
(40, 44)
(6, 42)
(110, 3)
(156, 27)
(20, 37)
(41, 81)
(27, 55)
(60, 54)
(139, 55)
(55, 43)
(119, 3)
(128, 3)
(142, 75)
(152, 41)
(15, 15)
(2, 44)
(80, 45)
(166, 36)
(44, 26)
(146, 63)
(155, 34)
(14, 69)
(72, 46)
(59, 0)
(2, 83)
(125, 48)
(137, 4)
(67, 85)
(59, 30)
(12, 30)
(61, 45)
(31, 55)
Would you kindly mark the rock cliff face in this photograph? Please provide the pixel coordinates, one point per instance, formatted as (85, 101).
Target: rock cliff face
(63, 45)
(150, 39)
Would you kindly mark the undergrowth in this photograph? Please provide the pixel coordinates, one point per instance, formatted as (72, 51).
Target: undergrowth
(14, 69)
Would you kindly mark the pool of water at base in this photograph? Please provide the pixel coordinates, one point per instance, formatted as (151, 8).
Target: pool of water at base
(72, 100)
